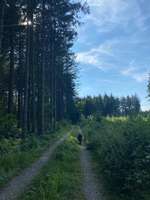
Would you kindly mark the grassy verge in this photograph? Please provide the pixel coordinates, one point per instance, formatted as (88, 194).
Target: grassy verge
(61, 178)
(121, 149)
(16, 155)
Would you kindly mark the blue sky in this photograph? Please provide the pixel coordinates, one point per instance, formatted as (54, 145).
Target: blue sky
(113, 49)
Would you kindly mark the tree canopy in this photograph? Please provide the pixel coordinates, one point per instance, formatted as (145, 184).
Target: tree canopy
(37, 65)
(108, 105)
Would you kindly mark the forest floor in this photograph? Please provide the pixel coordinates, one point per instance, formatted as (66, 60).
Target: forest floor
(18, 184)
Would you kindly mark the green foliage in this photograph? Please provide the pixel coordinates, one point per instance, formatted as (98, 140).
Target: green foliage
(8, 126)
(122, 150)
(38, 74)
(148, 87)
(16, 154)
(61, 178)
(108, 105)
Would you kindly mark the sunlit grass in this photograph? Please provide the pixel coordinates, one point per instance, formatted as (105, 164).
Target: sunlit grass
(16, 154)
(114, 119)
(61, 178)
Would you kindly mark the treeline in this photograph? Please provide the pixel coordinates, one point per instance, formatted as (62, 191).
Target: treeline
(109, 105)
(37, 66)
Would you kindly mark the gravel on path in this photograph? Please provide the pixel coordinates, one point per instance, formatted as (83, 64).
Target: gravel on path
(18, 184)
(91, 186)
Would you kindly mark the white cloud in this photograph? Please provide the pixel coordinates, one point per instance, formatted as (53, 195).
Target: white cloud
(122, 15)
(145, 105)
(140, 77)
(135, 72)
(95, 56)
(128, 71)
(107, 14)
(87, 58)
(111, 54)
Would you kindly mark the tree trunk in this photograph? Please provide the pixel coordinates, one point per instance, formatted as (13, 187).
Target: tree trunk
(26, 89)
(41, 127)
(20, 82)
(2, 8)
(11, 73)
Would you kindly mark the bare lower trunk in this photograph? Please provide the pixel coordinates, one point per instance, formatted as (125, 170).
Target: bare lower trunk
(41, 96)
(2, 7)
(11, 75)
(26, 90)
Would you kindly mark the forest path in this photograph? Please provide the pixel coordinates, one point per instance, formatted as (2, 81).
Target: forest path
(91, 186)
(18, 184)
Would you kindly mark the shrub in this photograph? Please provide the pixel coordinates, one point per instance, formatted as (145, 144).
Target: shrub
(8, 126)
(122, 149)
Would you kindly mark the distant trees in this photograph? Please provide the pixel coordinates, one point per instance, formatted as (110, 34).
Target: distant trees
(108, 105)
(148, 87)
(37, 67)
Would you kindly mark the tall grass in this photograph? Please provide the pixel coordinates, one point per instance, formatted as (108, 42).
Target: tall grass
(61, 178)
(16, 154)
(122, 150)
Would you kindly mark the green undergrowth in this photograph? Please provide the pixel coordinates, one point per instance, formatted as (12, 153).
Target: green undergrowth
(16, 155)
(121, 150)
(61, 178)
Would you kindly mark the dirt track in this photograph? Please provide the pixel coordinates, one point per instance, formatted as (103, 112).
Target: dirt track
(91, 187)
(18, 184)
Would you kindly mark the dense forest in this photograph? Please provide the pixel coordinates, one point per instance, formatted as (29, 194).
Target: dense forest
(109, 105)
(42, 115)
(37, 65)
